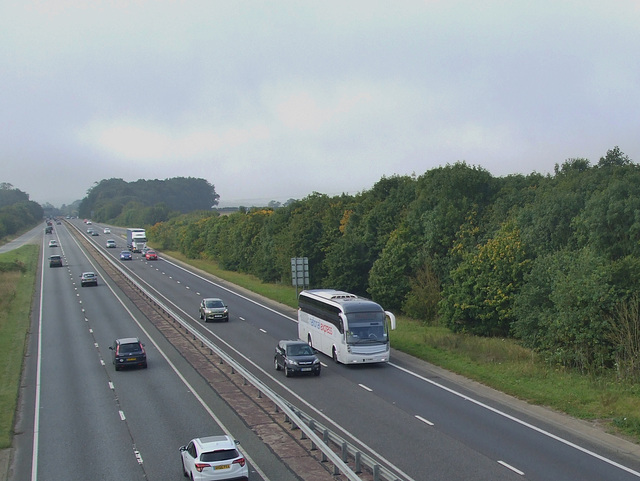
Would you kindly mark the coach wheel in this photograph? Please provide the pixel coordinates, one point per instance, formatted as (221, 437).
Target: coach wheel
(334, 354)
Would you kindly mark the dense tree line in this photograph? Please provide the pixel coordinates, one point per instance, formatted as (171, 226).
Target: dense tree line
(146, 202)
(552, 260)
(17, 212)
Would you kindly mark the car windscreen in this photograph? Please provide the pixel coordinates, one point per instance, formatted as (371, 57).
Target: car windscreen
(299, 350)
(219, 455)
(214, 304)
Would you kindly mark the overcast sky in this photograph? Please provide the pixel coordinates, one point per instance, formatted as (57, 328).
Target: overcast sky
(274, 100)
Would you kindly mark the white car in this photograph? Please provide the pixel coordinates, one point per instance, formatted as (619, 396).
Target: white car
(107, 230)
(213, 458)
(53, 243)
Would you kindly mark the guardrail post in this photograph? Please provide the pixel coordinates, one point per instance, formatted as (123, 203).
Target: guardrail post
(325, 439)
(345, 452)
(376, 472)
(358, 462)
(312, 426)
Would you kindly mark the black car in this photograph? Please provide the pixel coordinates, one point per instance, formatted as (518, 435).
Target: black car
(128, 351)
(55, 261)
(296, 357)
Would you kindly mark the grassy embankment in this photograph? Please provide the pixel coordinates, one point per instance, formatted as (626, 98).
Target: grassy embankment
(498, 363)
(17, 280)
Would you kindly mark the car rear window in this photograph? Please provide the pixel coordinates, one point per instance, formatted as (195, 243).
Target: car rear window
(130, 348)
(219, 455)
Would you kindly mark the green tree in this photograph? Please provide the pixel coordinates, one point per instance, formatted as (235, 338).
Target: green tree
(483, 287)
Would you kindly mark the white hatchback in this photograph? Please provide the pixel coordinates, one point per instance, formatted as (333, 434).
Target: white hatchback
(213, 458)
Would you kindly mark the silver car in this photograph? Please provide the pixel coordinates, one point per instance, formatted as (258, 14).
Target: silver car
(213, 309)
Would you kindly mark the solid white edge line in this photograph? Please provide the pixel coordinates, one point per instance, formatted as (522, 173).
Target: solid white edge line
(366, 388)
(508, 466)
(520, 421)
(36, 414)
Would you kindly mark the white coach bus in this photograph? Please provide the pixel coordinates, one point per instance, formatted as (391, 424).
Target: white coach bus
(348, 328)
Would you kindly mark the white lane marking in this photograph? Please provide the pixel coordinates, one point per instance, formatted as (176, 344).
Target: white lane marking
(122, 416)
(95, 345)
(508, 466)
(102, 362)
(111, 386)
(519, 421)
(426, 421)
(262, 330)
(366, 388)
(138, 456)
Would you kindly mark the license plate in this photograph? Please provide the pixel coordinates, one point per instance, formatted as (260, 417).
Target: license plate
(306, 369)
(223, 466)
(132, 359)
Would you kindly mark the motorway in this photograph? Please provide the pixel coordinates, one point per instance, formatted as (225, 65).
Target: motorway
(418, 421)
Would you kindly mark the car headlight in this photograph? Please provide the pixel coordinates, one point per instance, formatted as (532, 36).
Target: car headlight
(316, 361)
(292, 361)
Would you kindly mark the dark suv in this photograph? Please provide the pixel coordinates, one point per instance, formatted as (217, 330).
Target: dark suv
(296, 357)
(128, 351)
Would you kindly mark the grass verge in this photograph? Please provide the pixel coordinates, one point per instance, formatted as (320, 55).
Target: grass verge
(499, 363)
(17, 282)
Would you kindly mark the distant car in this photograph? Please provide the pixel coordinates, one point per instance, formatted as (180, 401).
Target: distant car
(88, 279)
(89, 222)
(55, 261)
(213, 458)
(95, 232)
(296, 357)
(151, 255)
(107, 230)
(53, 243)
(111, 243)
(128, 351)
(89, 231)
(125, 256)
(48, 230)
(213, 309)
